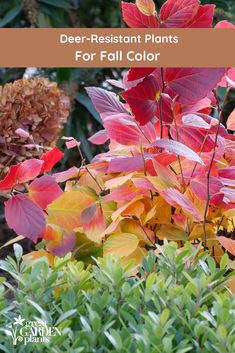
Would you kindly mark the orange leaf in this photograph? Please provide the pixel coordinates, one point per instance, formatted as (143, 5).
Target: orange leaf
(228, 244)
(35, 255)
(147, 7)
(66, 210)
(231, 121)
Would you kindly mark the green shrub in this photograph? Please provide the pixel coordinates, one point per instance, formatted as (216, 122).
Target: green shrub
(178, 303)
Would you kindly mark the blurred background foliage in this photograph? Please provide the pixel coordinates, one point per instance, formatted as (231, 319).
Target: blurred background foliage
(84, 120)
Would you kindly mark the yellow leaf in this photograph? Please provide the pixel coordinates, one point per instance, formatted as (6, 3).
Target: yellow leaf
(121, 244)
(138, 255)
(146, 7)
(171, 233)
(143, 233)
(115, 182)
(66, 210)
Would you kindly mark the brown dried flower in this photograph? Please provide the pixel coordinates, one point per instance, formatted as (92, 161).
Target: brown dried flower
(35, 105)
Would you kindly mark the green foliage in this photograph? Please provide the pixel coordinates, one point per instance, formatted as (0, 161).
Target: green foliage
(175, 304)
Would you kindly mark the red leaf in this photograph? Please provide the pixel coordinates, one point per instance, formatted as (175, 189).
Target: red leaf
(178, 148)
(228, 244)
(50, 158)
(178, 13)
(138, 73)
(66, 175)
(105, 102)
(25, 217)
(99, 138)
(44, 190)
(175, 198)
(142, 99)
(124, 130)
(192, 84)
(203, 18)
(21, 173)
(134, 18)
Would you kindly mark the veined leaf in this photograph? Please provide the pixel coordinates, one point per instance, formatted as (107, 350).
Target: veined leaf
(121, 244)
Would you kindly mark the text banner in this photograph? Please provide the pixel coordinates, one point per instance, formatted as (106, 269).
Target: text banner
(120, 47)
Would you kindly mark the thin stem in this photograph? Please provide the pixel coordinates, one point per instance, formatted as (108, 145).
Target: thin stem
(209, 171)
(160, 104)
(88, 171)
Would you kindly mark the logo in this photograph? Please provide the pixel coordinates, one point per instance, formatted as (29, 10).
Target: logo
(30, 331)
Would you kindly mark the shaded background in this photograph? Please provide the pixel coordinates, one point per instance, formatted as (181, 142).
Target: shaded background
(83, 120)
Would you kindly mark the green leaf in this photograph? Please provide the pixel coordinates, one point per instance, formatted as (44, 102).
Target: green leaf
(58, 3)
(115, 339)
(65, 316)
(10, 15)
(18, 251)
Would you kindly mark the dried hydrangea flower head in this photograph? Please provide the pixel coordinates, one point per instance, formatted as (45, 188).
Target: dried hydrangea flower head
(36, 106)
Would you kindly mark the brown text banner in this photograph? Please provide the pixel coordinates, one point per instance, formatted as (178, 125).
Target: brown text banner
(116, 47)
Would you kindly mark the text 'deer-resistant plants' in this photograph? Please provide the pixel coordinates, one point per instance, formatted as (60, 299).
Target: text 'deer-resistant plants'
(169, 171)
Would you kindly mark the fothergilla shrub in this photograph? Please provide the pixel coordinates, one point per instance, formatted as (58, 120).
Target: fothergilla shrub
(169, 171)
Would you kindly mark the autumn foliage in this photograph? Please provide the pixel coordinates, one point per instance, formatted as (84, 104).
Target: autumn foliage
(169, 171)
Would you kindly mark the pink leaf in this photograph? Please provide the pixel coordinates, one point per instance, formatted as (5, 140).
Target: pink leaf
(50, 158)
(66, 175)
(224, 24)
(228, 79)
(228, 244)
(44, 190)
(178, 13)
(25, 217)
(134, 18)
(175, 199)
(59, 240)
(22, 133)
(99, 138)
(178, 148)
(199, 187)
(229, 194)
(21, 173)
(105, 102)
(195, 120)
(192, 84)
(126, 164)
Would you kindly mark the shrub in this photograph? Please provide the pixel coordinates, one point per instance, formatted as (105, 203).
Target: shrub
(179, 304)
(169, 172)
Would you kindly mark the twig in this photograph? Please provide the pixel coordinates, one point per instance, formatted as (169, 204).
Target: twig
(209, 171)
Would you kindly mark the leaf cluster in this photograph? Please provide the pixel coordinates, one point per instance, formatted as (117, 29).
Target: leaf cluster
(177, 303)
